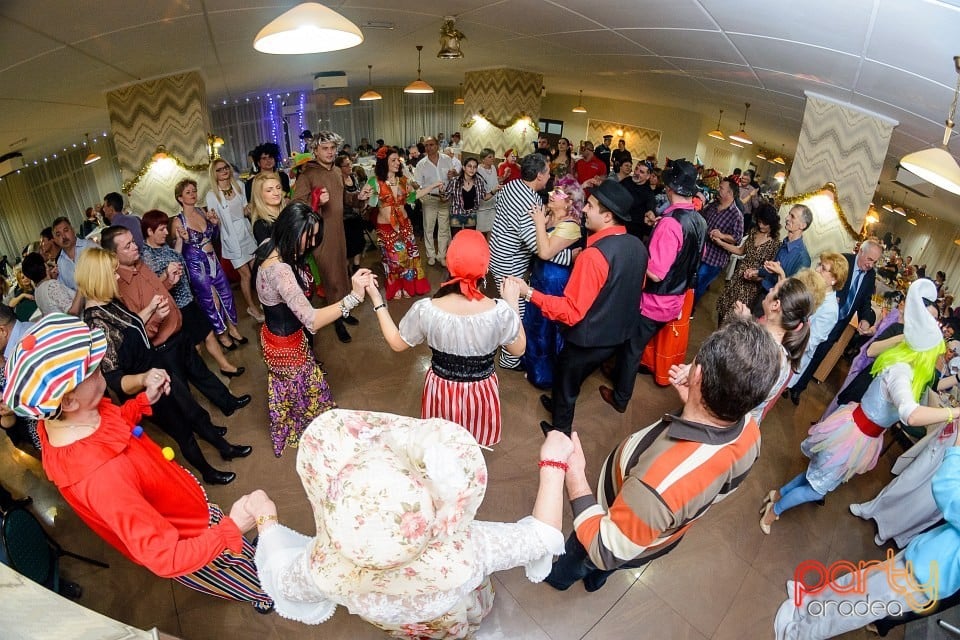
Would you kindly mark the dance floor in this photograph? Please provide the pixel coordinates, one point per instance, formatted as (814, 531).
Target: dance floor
(724, 581)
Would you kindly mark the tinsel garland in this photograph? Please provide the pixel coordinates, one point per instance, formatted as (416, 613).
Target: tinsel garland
(832, 188)
(131, 184)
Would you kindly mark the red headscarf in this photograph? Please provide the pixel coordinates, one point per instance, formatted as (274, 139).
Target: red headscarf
(468, 258)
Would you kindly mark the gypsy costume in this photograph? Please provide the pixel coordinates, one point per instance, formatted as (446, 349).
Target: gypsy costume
(737, 288)
(544, 340)
(461, 384)
(207, 279)
(399, 253)
(394, 499)
(297, 391)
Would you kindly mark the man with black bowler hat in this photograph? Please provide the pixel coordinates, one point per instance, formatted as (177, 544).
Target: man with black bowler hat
(598, 305)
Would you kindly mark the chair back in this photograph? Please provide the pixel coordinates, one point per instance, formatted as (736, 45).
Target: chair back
(26, 548)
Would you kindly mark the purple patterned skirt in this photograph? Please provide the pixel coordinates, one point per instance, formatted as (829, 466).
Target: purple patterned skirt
(296, 389)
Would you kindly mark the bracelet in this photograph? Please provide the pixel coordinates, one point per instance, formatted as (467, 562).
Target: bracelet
(950, 414)
(348, 304)
(261, 520)
(528, 295)
(382, 305)
(554, 463)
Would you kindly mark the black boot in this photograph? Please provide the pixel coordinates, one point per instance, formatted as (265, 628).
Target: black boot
(342, 334)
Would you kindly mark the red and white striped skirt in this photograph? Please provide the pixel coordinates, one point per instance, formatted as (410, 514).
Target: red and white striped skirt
(475, 406)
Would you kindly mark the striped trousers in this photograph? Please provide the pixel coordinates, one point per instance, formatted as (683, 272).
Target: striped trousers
(475, 406)
(229, 576)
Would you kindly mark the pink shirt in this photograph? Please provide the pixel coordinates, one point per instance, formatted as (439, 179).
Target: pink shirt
(665, 244)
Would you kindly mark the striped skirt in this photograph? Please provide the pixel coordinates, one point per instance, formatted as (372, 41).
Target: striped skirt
(475, 406)
(229, 576)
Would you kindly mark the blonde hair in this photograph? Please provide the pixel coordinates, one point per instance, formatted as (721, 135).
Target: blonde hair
(838, 267)
(814, 284)
(96, 274)
(212, 171)
(259, 210)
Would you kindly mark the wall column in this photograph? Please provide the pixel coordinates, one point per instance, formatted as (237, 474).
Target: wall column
(169, 111)
(502, 96)
(846, 145)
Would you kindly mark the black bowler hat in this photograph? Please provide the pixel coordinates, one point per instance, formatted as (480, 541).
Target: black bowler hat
(681, 177)
(615, 197)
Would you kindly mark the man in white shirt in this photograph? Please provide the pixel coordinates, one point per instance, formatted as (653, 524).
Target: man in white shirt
(431, 168)
(455, 145)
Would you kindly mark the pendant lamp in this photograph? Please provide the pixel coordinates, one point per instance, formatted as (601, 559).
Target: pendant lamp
(459, 99)
(92, 157)
(370, 94)
(418, 85)
(579, 108)
(341, 102)
(717, 133)
(307, 28)
(741, 136)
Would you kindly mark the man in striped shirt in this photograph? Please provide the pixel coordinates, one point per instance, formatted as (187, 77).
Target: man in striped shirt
(513, 239)
(661, 479)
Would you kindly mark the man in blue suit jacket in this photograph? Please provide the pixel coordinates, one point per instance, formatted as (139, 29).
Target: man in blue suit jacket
(855, 297)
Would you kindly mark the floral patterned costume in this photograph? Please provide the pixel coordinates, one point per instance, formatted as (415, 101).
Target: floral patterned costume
(399, 253)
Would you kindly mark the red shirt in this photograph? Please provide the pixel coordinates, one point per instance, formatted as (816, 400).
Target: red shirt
(586, 169)
(514, 172)
(588, 277)
(148, 508)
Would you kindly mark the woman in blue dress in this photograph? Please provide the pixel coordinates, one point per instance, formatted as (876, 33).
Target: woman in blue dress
(558, 227)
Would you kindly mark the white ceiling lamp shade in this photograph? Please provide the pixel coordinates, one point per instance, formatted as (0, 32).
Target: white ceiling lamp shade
(370, 94)
(92, 156)
(307, 28)
(900, 209)
(779, 159)
(717, 133)
(736, 144)
(741, 136)
(418, 85)
(459, 101)
(341, 102)
(579, 108)
(936, 165)
(912, 221)
(761, 153)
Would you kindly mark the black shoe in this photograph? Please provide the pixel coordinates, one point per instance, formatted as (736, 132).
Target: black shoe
(240, 340)
(794, 397)
(607, 394)
(342, 334)
(221, 431)
(233, 374)
(546, 427)
(350, 320)
(70, 590)
(236, 451)
(227, 347)
(219, 477)
(546, 402)
(238, 403)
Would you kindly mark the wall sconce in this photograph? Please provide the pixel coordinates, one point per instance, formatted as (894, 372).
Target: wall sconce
(214, 142)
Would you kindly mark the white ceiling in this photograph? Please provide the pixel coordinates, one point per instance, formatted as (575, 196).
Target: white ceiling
(58, 57)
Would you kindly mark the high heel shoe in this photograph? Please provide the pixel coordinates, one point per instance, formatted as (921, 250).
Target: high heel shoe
(763, 524)
(240, 340)
(767, 499)
(233, 374)
(227, 347)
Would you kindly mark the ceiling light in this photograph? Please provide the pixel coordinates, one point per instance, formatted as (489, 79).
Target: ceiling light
(459, 99)
(779, 176)
(736, 144)
(450, 39)
(779, 159)
(370, 94)
(899, 209)
(308, 28)
(92, 157)
(717, 133)
(579, 108)
(912, 221)
(341, 102)
(762, 154)
(937, 166)
(418, 85)
(741, 136)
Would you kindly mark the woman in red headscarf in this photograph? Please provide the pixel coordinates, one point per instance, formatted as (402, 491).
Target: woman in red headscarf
(463, 328)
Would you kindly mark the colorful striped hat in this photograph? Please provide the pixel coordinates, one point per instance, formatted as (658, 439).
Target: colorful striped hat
(55, 356)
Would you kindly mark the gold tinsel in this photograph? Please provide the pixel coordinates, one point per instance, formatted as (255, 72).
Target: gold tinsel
(131, 184)
(501, 126)
(832, 188)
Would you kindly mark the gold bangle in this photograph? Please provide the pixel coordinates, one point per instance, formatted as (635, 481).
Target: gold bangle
(262, 520)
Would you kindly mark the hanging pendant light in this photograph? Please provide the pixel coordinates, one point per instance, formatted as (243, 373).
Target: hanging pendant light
(418, 85)
(937, 166)
(741, 136)
(779, 159)
(308, 28)
(459, 99)
(912, 221)
(341, 102)
(92, 157)
(717, 133)
(761, 153)
(736, 144)
(899, 209)
(579, 108)
(370, 94)
(887, 206)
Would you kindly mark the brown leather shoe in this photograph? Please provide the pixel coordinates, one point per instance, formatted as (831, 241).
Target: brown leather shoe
(607, 394)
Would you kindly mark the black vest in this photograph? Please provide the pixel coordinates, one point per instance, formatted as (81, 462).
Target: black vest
(613, 317)
(683, 273)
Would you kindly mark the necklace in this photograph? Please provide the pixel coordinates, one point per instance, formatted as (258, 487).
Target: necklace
(392, 181)
(74, 426)
(227, 192)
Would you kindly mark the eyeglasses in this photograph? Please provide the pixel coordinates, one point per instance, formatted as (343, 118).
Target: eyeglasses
(223, 168)
(559, 194)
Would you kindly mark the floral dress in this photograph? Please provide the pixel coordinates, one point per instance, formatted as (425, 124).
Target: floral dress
(399, 253)
(737, 288)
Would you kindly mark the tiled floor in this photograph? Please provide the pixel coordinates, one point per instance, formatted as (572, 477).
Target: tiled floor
(724, 581)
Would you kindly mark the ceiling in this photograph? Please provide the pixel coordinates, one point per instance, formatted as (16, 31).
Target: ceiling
(894, 57)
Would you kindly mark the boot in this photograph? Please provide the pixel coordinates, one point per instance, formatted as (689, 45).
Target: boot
(342, 334)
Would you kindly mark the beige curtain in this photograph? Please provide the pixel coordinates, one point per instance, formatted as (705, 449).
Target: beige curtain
(930, 243)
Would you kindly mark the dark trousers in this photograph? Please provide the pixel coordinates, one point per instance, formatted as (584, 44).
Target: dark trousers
(181, 360)
(822, 349)
(182, 418)
(575, 364)
(575, 564)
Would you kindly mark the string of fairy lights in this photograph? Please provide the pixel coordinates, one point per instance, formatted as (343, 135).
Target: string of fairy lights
(82, 144)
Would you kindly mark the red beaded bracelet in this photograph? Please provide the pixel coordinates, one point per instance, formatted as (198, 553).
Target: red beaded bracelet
(554, 463)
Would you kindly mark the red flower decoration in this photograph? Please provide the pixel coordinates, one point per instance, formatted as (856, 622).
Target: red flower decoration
(382, 152)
